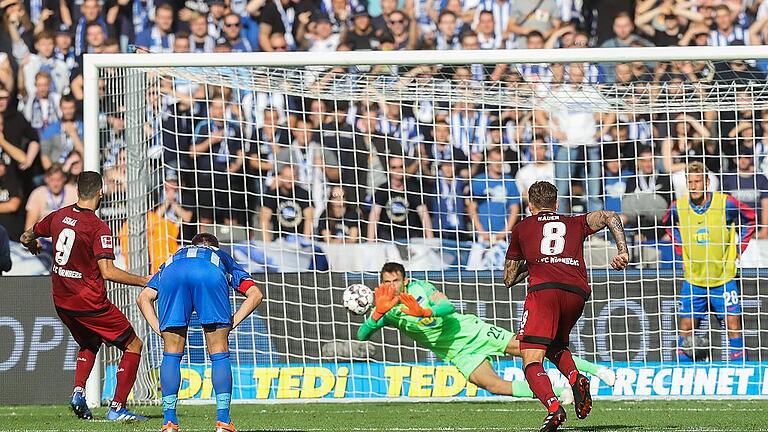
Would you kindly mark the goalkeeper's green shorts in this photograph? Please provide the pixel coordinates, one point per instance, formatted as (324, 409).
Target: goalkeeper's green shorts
(490, 341)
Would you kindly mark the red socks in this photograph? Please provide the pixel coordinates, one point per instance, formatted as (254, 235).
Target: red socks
(541, 386)
(564, 362)
(85, 360)
(126, 376)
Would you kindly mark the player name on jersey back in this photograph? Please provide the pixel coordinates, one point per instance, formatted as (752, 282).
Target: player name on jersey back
(553, 247)
(80, 239)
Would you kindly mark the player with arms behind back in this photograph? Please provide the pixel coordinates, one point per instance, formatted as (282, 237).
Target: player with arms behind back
(83, 259)
(549, 248)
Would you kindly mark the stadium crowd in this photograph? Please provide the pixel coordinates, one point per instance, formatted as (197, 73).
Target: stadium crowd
(379, 170)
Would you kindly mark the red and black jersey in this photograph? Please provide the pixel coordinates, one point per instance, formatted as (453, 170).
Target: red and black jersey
(80, 239)
(553, 247)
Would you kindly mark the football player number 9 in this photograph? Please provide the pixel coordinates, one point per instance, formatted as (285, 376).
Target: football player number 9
(553, 242)
(64, 246)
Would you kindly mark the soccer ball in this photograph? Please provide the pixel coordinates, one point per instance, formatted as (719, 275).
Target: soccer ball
(696, 347)
(358, 299)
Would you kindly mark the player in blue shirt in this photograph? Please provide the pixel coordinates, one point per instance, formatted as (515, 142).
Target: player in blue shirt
(198, 278)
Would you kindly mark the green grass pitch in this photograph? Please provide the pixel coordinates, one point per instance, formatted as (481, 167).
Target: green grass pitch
(702, 415)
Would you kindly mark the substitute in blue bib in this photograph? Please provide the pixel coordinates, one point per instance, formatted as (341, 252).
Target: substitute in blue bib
(710, 230)
(197, 278)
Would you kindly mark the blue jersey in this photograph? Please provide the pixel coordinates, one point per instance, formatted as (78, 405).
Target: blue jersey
(198, 278)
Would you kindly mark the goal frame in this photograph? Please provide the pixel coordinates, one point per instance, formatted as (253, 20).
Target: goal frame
(93, 63)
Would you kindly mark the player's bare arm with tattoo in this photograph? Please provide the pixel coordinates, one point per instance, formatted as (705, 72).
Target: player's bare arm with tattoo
(514, 272)
(598, 220)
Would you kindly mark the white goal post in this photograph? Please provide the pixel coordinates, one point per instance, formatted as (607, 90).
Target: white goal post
(301, 342)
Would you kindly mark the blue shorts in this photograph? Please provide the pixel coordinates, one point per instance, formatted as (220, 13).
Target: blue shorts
(193, 285)
(696, 301)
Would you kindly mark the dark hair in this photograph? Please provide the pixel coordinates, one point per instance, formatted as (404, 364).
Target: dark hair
(535, 33)
(68, 98)
(623, 14)
(182, 34)
(542, 194)
(205, 239)
(393, 267)
(89, 183)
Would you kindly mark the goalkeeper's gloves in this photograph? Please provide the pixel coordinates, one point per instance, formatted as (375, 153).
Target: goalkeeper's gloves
(384, 299)
(411, 306)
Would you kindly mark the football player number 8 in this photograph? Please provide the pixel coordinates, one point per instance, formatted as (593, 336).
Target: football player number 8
(553, 242)
(64, 245)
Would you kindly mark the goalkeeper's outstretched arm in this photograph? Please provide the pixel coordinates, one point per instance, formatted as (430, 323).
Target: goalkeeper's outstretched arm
(369, 327)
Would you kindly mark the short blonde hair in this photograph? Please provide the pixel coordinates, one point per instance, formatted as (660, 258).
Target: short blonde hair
(696, 168)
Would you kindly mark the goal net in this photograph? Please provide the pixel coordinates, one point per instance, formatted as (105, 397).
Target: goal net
(313, 171)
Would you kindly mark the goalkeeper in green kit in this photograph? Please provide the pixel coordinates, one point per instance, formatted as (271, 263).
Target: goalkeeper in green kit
(428, 317)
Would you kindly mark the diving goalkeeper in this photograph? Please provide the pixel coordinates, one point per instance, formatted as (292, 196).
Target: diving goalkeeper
(428, 317)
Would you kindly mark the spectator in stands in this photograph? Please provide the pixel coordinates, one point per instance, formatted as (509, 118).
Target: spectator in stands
(317, 34)
(381, 22)
(5, 251)
(11, 204)
(540, 168)
(469, 129)
(51, 196)
(340, 221)
(616, 180)
(648, 179)
(277, 17)
(271, 139)
(449, 219)
(232, 32)
(159, 37)
(64, 49)
(361, 35)
(181, 42)
(403, 29)
(95, 37)
(278, 42)
(495, 201)
(41, 108)
(352, 149)
(61, 138)
(315, 164)
(489, 34)
(73, 166)
(666, 23)
(749, 187)
(447, 36)
(6, 72)
(726, 29)
(20, 141)
(623, 28)
(575, 126)
(200, 40)
(444, 150)
(287, 207)
(529, 15)
(19, 27)
(399, 211)
(163, 226)
(90, 14)
(219, 156)
(44, 61)
(696, 35)
(684, 145)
